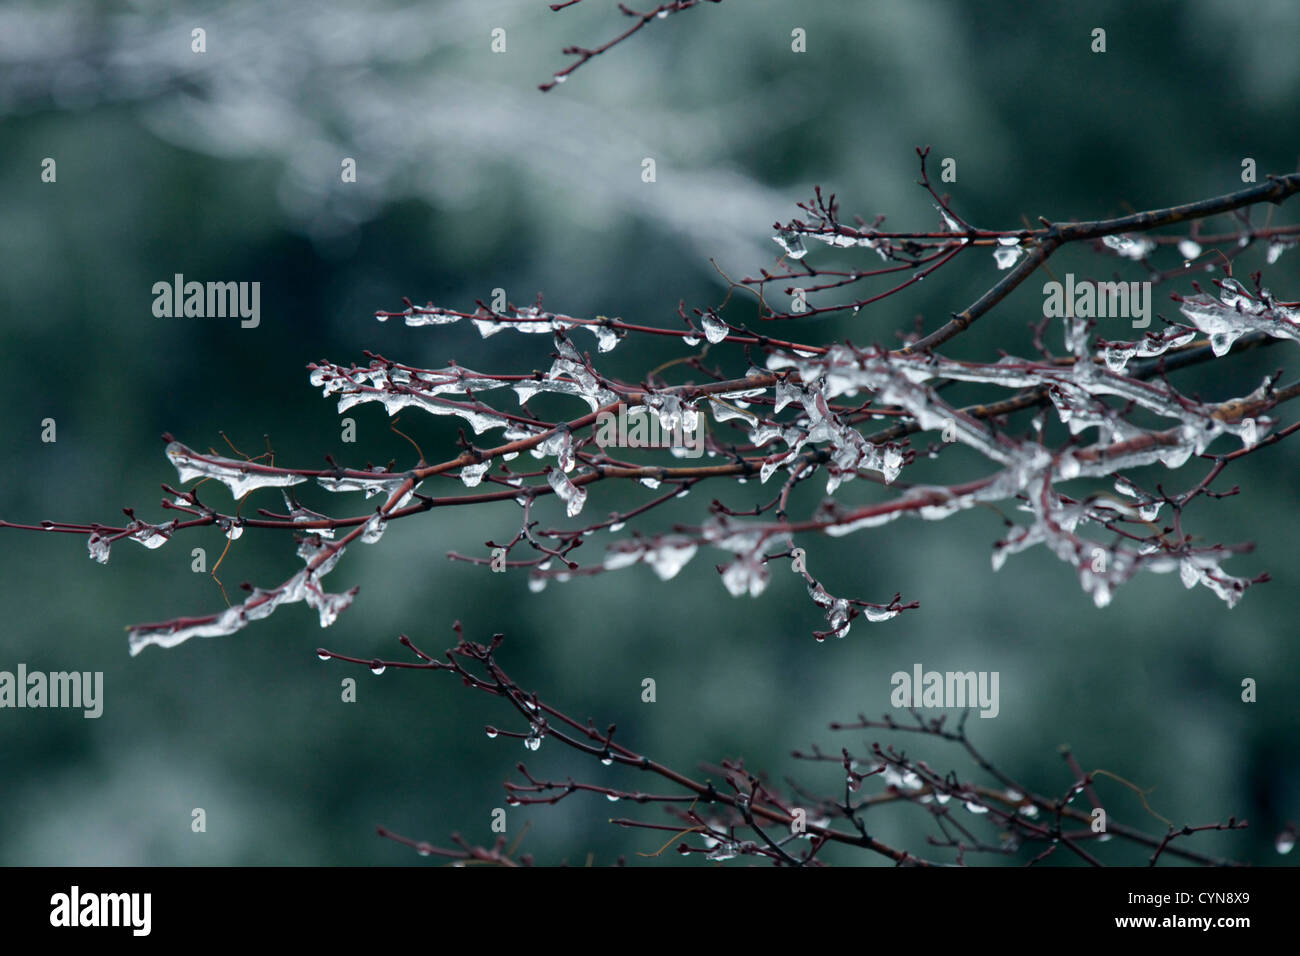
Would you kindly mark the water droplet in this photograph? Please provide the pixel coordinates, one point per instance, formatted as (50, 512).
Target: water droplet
(607, 760)
(1232, 292)
(323, 656)
(1285, 842)
(424, 849)
(612, 797)
(1005, 258)
(715, 330)
(492, 732)
(99, 547)
(377, 668)
(1128, 246)
(374, 529)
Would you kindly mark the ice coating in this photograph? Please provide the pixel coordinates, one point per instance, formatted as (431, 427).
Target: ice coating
(823, 409)
(260, 604)
(303, 586)
(1029, 469)
(528, 321)
(667, 555)
(472, 475)
(1234, 313)
(792, 243)
(559, 445)
(320, 558)
(1117, 354)
(240, 477)
(384, 483)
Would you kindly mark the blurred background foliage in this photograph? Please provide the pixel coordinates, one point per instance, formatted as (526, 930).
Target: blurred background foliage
(225, 166)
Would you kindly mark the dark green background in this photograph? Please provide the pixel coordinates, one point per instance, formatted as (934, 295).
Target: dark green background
(225, 166)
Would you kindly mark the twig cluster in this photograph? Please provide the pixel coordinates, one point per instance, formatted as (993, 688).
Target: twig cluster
(639, 20)
(745, 815)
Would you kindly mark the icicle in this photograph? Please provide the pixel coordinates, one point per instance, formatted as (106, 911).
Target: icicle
(572, 495)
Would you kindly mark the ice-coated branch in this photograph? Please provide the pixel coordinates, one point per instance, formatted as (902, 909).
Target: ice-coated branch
(741, 407)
